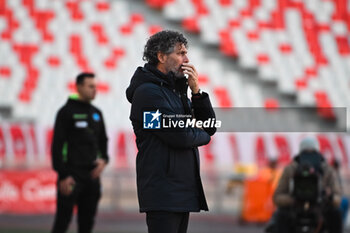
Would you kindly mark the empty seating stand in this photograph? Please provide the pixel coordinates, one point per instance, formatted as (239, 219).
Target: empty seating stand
(45, 44)
(302, 45)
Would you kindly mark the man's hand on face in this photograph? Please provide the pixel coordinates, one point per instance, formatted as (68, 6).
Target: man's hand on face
(100, 165)
(191, 71)
(66, 185)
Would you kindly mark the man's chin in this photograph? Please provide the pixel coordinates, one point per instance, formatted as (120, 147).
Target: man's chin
(179, 75)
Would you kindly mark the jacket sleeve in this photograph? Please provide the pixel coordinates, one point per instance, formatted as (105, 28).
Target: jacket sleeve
(59, 143)
(103, 140)
(150, 96)
(203, 110)
(332, 182)
(282, 196)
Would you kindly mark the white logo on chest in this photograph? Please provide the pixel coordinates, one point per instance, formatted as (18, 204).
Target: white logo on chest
(81, 124)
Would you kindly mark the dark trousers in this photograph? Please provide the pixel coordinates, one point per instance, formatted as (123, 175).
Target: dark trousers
(287, 219)
(169, 222)
(86, 196)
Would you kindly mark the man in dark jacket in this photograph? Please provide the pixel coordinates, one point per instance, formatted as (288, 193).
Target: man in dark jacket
(79, 155)
(168, 179)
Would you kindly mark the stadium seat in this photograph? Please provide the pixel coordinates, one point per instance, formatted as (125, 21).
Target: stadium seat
(222, 97)
(271, 103)
(18, 143)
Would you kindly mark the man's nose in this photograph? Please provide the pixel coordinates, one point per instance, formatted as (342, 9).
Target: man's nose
(186, 60)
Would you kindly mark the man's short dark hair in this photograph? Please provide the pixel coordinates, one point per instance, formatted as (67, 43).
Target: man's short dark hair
(82, 76)
(164, 42)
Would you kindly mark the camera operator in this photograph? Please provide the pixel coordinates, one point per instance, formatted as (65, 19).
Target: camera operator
(327, 203)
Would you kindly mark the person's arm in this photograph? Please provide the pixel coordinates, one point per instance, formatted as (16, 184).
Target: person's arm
(103, 158)
(203, 110)
(150, 96)
(60, 145)
(200, 101)
(282, 197)
(103, 140)
(333, 188)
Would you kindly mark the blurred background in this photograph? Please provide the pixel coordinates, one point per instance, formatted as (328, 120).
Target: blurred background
(263, 54)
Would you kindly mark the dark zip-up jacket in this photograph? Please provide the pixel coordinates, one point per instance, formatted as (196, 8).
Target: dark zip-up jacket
(167, 162)
(79, 139)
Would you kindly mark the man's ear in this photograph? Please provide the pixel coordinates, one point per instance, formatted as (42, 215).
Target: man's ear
(161, 57)
(78, 87)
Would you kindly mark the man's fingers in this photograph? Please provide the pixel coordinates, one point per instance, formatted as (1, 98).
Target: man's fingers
(190, 72)
(68, 189)
(188, 65)
(64, 190)
(66, 186)
(189, 69)
(95, 173)
(71, 182)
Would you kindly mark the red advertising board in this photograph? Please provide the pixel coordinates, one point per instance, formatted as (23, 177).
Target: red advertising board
(27, 191)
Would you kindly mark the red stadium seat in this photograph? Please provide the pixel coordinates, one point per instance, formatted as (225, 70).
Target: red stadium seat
(326, 148)
(343, 45)
(233, 23)
(263, 59)
(54, 61)
(311, 72)
(284, 150)
(158, 4)
(227, 45)
(223, 98)
(74, 9)
(126, 29)
(12, 23)
(103, 87)
(42, 20)
(99, 33)
(112, 61)
(253, 36)
(203, 79)
(225, 3)
(153, 29)
(5, 72)
(324, 106)
(25, 53)
(191, 24)
(76, 48)
(271, 103)
(18, 142)
(285, 48)
(103, 6)
(301, 83)
(137, 18)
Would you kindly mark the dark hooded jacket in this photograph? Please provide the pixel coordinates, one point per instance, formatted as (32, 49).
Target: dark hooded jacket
(167, 162)
(79, 139)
